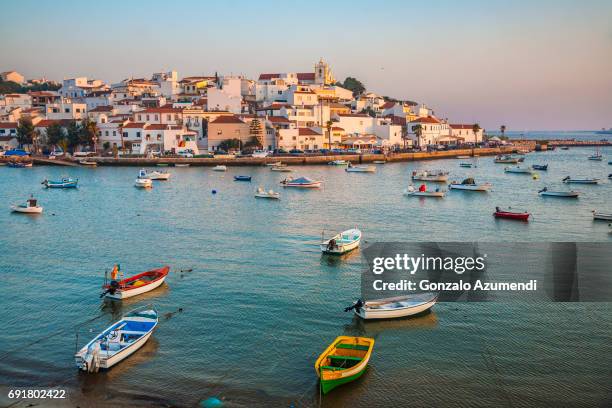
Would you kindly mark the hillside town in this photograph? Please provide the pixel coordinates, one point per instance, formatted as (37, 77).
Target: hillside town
(166, 114)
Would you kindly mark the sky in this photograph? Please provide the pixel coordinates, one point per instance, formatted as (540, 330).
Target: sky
(529, 65)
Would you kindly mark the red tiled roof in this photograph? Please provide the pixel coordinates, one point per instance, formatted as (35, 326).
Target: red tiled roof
(157, 126)
(337, 128)
(48, 122)
(42, 93)
(274, 106)
(388, 105)
(397, 120)
(278, 119)
(227, 119)
(264, 77)
(8, 125)
(102, 109)
(353, 115)
(428, 119)
(134, 125)
(459, 126)
(308, 132)
(306, 76)
(163, 109)
(7, 138)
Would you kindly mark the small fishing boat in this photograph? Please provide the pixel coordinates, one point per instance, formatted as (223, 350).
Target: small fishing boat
(153, 175)
(521, 216)
(341, 243)
(379, 161)
(283, 169)
(162, 164)
(394, 307)
(220, 167)
(135, 285)
(89, 163)
(345, 360)
(569, 194)
(596, 156)
(181, 165)
(271, 194)
(431, 175)
(541, 167)
(242, 178)
(66, 182)
(19, 165)
(506, 159)
(300, 182)
(467, 165)
(118, 341)
(518, 170)
(360, 169)
(564, 148)
(338, 163)
(30, 207)
(275, 164)
(598, 215)
(143, 183)
(412, 192)
(568, 180)
(463, 157)
(469, 184)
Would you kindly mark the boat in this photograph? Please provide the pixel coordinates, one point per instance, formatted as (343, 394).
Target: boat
(162, 164)
(220, 167)
(135, 285)
(568, 180)
(541, 167)
(568, 194)
(271, 194)
(470, 185)
(301, 182)
(19, 165)
(463, 157)
(434, 175)
(506, 159)
(66, 182)
(242, 178)
(275, 164)
(518, 170)
(522, 216)
(181, 164)
(345, 360)
(118, 341)
(341, 243)
(360, 169)
(467, 165)
(394, 307)
(261, 153)
(153, 175)
(564, 147)
(143, 183)
(282, 168)
(596, 156)
(30, 207)
(598, 215)
(379, 161)
(412, 192)
(86, 162)
(338, 163)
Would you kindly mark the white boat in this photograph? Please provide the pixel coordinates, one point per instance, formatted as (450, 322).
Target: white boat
(301, 182)
(143, 183)
(153, 175)
(470, 185)
(30, 207)
(570, 194)
(283, 169)
(518, 170)
(261, 153)
(394, 307)
(338, 163)
(118, 341)
(596, 156)
(220, 167)
(568, 180)
(430, 175)
(360, 169)
(463, 157)
(412, 192)
(85, 162)
(181, 165)
(379, 161)
(271, 194)
(506, 159)
(275, 164)
(598, 215)
(341, 243)
(468, 165)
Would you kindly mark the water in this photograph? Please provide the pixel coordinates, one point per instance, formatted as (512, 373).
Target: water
(261, 302)
(579, 135)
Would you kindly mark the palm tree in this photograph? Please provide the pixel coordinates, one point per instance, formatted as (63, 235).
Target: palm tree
(329, 124)
(418, 131)
(89, 133)
(476, 128)
(502, 129)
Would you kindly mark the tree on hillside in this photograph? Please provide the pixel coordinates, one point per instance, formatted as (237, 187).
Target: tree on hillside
(354, 85)
(25, 131)
(369, 111)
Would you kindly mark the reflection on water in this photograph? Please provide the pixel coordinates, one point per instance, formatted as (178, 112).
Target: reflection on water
(372, 328)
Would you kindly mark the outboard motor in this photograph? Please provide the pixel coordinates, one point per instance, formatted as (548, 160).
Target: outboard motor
(113, 287)
(331, 244)
(357, 306)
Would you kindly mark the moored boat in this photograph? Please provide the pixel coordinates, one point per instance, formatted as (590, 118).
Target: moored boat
(30, 207)
(564, 148)
(379, 161)
(469, 184)
(220, 167)
(181, 164)
(518, 170)
(421, 192)
(66, 182)
(394, 307)
(300, 182)
(360, 169)
(541, 167)
(89, 163)
(281, 168)
(271, 194)
(345, 360)
(463, 157)
(341, 243)
(275, 164)
(506, 159)
(521, 216)
(143, 183)
(153, 175)
(596, 157)
(568, 180)
(440, 176)
(467, 165)
(338, 163)
(604, 216)
(19, 165)
(135, 285)
(118, 341)
(568, 194)
(242, 178)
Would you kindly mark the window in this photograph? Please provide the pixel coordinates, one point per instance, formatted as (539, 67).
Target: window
(106, 133)
(156, 117)
(138, 135)
(140, 117)
(114, 133)
(219, 132)
(125, 134)
(169, 117)
(148, 118)
(148, 137)
(66, 110)
(1, 131)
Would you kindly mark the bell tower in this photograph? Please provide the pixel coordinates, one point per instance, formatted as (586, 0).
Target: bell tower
(323, 74)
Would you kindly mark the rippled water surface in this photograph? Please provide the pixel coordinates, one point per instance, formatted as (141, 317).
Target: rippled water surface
(261, 302)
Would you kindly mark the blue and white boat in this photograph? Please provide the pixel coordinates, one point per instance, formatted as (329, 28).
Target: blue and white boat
(541, 167)
(118, 341)
(66, 182)
(242, 178)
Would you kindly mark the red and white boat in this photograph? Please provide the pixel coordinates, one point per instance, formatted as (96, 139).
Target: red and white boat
(136, 285)
(521, 216)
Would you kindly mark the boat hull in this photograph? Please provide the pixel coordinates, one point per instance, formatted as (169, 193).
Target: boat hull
(512, 216)
(368, 313)
(471, 187)
(602, 216)
(581, 181)
(124, 293)
(365, 169)
(434, 179)
(275, 196)
(342, 247)
(559, 194)
(432, 194)
(26, 210)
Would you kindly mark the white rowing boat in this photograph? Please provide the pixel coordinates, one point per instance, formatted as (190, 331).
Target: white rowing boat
(143, 183)
(412, 192)
(338, 163)
(181, 164)
(568, 180)
(283, 169)
(118, 341)
(440, 176)
(360, 169)
(394, 307)
(271, 194)
(470, 185)
(153, 175)
(275, 164)
(220, 167)
(518, 170)
(341, 243)
(301, 182)
(568, 194)
(598, 215)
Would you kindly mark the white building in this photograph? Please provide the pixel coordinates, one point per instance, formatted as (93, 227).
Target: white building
(8, 135)
(466, 133)
(226, 96)
(301, 138)
(66, 110)
(168, 83)
(80, 86)
(433, 131)
(356, 124)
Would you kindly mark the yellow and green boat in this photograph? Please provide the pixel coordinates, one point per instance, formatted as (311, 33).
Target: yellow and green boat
(345, 360)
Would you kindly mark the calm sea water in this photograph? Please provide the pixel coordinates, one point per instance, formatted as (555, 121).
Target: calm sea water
(583, 135)
(261, 302)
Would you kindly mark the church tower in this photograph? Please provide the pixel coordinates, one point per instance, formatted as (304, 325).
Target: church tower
(323, 74)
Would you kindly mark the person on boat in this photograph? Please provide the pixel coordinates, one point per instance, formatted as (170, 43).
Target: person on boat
(423, 188)
(497, 209)
(115, 272)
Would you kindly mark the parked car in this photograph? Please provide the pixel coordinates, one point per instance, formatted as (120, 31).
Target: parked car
(187, 153)
(280, 151)
(83, 154)
(296, 151)
(261, 153)
(356, 151)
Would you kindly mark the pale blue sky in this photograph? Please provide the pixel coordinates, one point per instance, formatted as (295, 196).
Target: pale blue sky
(546, 65)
